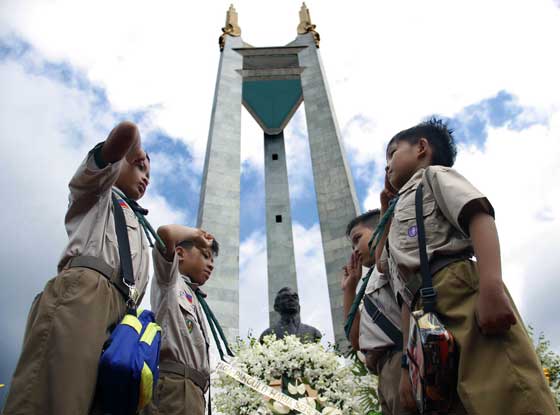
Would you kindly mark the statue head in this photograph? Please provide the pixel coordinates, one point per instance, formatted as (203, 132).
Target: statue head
(287, 301)
(286, 304)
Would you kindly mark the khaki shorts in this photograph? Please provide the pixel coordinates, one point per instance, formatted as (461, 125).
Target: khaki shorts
(389, 369)
(497, 374)
(68, 323)
(176, 395)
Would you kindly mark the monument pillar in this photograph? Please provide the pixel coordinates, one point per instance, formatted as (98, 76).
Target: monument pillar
(336, 197)
(218, 211)
(279, 238)
(271, 82)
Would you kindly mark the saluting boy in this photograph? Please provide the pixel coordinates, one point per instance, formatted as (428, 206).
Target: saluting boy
(184, 359)
(375, 332)
(57, 371)
(498, 371)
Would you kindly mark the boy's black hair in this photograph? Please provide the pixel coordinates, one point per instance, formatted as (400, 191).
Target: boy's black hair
(439, 136)
(368, 219)
(215, 247)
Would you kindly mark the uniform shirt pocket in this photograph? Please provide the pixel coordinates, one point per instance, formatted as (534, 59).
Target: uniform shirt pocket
(132, 226)
(190, 330)
(406, 226)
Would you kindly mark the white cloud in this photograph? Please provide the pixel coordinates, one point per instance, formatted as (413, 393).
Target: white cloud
(389, 65)
(46, 129)
(312, 279)
(519, 171)
(253, 293)
(298, 156)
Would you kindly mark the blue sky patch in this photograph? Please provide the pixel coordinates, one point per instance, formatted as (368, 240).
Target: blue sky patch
(503, 110)
(172, 172)
(252, 203)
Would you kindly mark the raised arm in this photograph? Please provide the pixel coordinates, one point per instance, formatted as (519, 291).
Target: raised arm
(123, 141)
(385, 197)
(173, 234)
(351, 277)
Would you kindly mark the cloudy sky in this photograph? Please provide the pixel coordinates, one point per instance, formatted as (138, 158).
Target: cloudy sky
(70, 70)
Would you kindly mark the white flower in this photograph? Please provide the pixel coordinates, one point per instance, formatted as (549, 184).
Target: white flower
(296, 390)
(308, 401)
(331, 411)
(328, 377)
(280, 408)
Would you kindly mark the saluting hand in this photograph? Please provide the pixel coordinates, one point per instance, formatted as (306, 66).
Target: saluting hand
(352, 272)
(202, 239)
(138, 157)
(386, 194)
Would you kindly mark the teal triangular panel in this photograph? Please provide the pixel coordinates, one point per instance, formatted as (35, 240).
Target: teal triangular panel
(271, 101)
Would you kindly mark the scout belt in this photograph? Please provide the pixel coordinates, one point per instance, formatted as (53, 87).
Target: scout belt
(97, 264)
(187, 372)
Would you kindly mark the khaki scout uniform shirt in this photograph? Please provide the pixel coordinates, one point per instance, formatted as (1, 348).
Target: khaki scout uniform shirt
(379, 291)
(446, 193)
(180, 315)
(90, 222)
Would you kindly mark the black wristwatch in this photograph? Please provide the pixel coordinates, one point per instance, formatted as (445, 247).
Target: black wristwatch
(404, 361)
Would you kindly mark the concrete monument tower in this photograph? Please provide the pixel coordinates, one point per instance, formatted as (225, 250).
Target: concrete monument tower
(271, 83)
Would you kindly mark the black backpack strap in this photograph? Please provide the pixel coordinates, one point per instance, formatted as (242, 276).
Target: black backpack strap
(126, 271)
(384, 323)
(427, 292)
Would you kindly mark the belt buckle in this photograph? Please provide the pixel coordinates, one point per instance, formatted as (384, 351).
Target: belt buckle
(133, 294)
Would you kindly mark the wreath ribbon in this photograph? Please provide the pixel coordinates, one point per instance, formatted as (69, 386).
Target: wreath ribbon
(264, 389)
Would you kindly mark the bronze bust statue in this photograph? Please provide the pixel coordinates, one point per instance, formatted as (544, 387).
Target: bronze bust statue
(286, 304)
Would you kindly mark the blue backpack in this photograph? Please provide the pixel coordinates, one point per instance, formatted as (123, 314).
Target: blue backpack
(128, 369)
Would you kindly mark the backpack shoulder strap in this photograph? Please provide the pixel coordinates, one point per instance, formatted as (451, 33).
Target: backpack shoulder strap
(125, 258)
(427, 292)
(383, 322)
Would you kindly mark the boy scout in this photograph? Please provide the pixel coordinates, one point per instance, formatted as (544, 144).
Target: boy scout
(70, 320)
(380, 340)
(498, 370)
(184, 359)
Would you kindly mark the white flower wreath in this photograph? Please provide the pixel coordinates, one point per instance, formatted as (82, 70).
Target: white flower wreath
(327, 381)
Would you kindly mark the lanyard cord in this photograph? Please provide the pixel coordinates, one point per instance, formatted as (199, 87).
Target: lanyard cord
(214, 325)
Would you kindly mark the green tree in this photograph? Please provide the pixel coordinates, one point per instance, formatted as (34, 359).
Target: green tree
(550, 362)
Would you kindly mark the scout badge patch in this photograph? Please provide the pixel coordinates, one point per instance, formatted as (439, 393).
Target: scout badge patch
(431, 349)
(128, 369)
(190, 325)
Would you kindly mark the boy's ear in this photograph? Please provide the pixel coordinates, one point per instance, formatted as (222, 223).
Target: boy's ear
(180, 252)
(423, 148)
